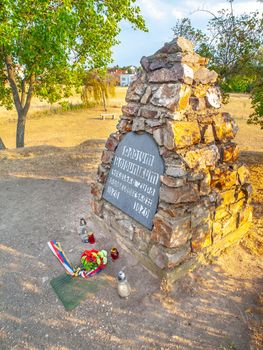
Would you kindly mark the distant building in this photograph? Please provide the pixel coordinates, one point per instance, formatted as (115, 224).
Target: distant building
(126, 79)
(117, 73)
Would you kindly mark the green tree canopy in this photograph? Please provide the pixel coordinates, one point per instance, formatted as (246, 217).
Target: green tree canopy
(233, 45)
(45, 44)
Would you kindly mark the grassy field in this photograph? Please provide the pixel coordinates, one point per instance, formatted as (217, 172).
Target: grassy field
(46, 126)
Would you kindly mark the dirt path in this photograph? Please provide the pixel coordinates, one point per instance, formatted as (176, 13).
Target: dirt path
(216, 307)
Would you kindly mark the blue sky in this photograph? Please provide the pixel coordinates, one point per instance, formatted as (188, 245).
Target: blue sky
(160, 17)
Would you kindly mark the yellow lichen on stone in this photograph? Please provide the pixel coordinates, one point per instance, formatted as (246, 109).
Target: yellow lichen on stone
(185, 94)
(223, 178)
(228, 197)
(185, 134)
(230, 153)
(200, 90)
(224, 126)
(229, 225)
(221, 212)
(243, 174)
(245, 215)
(236, 207)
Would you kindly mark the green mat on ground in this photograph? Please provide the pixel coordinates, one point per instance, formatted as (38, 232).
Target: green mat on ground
(72, 290)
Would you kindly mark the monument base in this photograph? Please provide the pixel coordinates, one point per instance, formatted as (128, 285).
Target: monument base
(121, 225)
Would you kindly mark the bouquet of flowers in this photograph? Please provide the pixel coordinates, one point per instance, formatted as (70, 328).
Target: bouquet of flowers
(94, 260)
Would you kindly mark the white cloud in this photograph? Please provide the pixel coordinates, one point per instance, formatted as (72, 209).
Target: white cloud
(152, 8)
(177, 13)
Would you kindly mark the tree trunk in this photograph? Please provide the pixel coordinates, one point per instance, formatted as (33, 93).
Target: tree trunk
(22, 104)
(20, 130)
(104, 101)
(2, 145)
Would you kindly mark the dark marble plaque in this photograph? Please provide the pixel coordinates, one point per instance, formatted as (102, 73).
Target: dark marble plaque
(134, 180)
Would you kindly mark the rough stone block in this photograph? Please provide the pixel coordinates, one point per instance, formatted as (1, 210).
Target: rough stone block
(228, 197)
(235, 208)
(202, 158)
(229, 224)
(221, 212)
(203, 118)
(207, 135)
(247, 190)
(245, 215)
(138, 124)
(243, 174)
(157, 256)
(173, 210)
(178, 116)
(141, 238)
(201, 236)
(107, 156)
(178, 44)
(126, 226)
(205, 76)
(124, 125)
(176, 170)
(153, 123)
(178, 72)
(200, 90)
(135, 91)
(216, 229)
(172, 233)
(199, 215)
(145, 63)
(148, 112)
(169, 258)
(96, 190)
(146, 97)
(97, 207)
(197, 103)
(213, 97)
(187, 193)
(225, 128)
(168, 135)
(223, 178)
(185, 134)
(112, 142)
(229, 152)
(130, 110)
(172, 96)
(172, 181)
(102, 173)
(158, 136)
(176, 257)
(190, 58)
(204, 185)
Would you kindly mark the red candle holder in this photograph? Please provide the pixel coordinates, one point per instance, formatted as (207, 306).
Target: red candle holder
(91, 238)
(114, 253)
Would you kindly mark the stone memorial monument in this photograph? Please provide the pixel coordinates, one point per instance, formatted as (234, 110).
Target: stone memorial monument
(170, 185)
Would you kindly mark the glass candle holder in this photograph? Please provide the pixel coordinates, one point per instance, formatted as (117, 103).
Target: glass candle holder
(91, 238)
(114, 253)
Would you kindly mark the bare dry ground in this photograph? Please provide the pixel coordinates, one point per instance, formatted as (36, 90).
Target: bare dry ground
(219, 306)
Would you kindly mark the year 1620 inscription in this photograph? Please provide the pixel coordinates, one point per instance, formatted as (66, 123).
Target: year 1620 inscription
(134, 180)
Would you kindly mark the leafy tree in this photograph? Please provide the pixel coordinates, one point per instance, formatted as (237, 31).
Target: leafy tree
(231, 42)
(98, 85)
(45, 44)
(257, 92)
(183, 27)
(233, 45)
